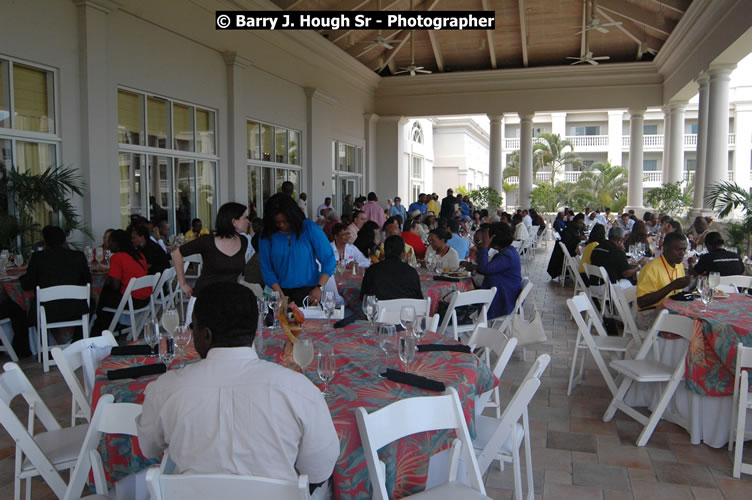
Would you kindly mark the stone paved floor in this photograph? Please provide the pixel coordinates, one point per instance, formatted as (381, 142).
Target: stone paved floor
(575, 454)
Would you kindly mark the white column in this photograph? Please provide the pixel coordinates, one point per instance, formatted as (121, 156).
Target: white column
(615, 127)
(634, 192)
(494, 154)
(236, 187)
(370, 121)
(702, 145)
(718, 126)
(559, 124)
(393, 174)
(743, 149)
(666, 145)
(526, 159)
(319, 112)
(676, 143)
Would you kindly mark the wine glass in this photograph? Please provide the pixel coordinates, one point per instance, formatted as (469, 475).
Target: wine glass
(107, 257)
(406, 350)
(387, 335)
(407, 318)
(420, 325)
(274, 305)
(170, 320)
(329, 304)
(182, 338)
(302, 352)
(89, 255)
(99, 254)
(151, 336)
(371, 310)
(706, 292)
(341, 264)
(18, 260)
(326, 366)
(714, 279)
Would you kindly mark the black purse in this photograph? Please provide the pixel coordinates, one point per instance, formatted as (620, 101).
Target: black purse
(464, 313)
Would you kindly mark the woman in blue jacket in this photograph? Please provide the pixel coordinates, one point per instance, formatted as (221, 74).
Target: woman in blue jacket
(296, 256)
(502, 271)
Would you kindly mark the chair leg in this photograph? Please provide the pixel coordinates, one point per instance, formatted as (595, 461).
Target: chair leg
(45, 350)
(741, 422)
(619, 396)
(574, 365)
(28, 488)
(517, 473)
(528, 457)
(644, 437)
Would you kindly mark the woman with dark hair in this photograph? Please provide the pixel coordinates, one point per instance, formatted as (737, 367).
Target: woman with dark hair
(222, 253)
(368, 240)
(126, 262)
(597, 236)
(290, 247)
(538, 220)
(346, 251)
(559, 223)
(476, 222)
(502, 271)
(639, 234)
(441, 253)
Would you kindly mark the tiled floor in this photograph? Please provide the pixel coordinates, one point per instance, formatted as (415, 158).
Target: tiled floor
(575, 454)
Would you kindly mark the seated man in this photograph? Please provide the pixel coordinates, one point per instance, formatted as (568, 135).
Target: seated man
(392, 278)
(625, 223)
(460, 244)
(610, 254)
(232, 413)
(718, 259)
(699, 232)
(197, 229)
(391, 228)
(157, 259)
(659, 278)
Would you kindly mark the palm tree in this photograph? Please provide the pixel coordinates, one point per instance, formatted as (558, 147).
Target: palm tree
(603, 185)
(728, 196)
(553, 151)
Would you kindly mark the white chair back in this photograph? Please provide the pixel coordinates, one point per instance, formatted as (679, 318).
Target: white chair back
(75, 292)
(738, 280)
(727, 288)
(433, 324)
(137, 317)
(600, 292)
(389, 310)
(410, 416)
(743, 360)
(222, 487)
(482, 297)
(109, 418)
(565, 267)
(166, 290)
(5, 343)
(71, 359)
(623, 299)
(492, 340)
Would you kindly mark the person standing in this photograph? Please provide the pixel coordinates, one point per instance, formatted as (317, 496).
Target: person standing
(327, 204)
(398, 209)
(419, 205)
(373, 210)
(433, 205)
(447, 205)
(302, 204)
(347, 205)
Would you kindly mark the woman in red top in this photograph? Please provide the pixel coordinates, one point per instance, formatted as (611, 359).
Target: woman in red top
(126, 262)
(412, 238)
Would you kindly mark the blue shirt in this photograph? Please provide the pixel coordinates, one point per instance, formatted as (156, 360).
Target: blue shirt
(465, 209)
(460, 245)
(422, 207)
(503, 272)
(398, 210)
(290, 260)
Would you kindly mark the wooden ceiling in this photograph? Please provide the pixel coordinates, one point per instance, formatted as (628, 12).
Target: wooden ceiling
(528, 33)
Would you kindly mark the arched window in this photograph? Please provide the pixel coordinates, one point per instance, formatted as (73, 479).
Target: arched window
(417, 133)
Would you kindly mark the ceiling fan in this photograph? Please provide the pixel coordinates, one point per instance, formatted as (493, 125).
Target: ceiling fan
(380, 40)
(595, 24)
(588, 58)
(412, 68)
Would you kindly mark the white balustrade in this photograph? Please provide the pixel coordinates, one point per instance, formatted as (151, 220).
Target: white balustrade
(732, 140)
(690, 140)
(572, 176)
(588, 141)
(512, 144)
(652, 177)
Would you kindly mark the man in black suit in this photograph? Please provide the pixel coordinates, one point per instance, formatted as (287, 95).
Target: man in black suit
(57, 265)
(156, 258)
(447, 205)
(392, 278)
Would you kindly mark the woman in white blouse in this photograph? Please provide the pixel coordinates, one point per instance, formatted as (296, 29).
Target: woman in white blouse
(440, 252)
(520, 231)
(344, 250)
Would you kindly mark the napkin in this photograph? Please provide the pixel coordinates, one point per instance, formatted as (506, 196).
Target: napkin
(445, 278)
(346, 321)
(131, 350)
(443, 347)
(137, 371)
(414, 380)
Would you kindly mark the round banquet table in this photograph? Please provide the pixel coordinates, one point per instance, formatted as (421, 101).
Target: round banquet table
(355, 384)
(349, 284)
(703, 404)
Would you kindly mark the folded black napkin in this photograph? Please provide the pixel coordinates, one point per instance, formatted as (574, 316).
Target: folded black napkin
(684, 297)
(346, 321)
(445, 278)
(131, 350)
(443, 347)
(137, 371)
(414, 380)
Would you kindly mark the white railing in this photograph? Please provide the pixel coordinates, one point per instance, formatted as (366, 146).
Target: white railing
(652, 177)
(512, 144)
(732, 140)
(588, 141)
(652, 141)
(513, 180)
(625, 141)
(543, 176)
(690, 140)
(572, 176)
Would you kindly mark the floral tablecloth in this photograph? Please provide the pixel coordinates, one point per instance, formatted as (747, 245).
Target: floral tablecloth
(11, 286)
(348, 285)
(355, 384)
(711, 358)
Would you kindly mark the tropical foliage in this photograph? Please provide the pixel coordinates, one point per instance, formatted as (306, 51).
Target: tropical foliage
(602, 185)
(727, 197)
(668, 199)
(547, 198)
(485, 197)
(554, 152)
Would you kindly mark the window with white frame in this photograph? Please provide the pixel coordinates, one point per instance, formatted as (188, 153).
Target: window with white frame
(588, 130)
(416, 134)
(347, 173)
(273, 158)
(167, 160)
(416, 177)
(29, 135)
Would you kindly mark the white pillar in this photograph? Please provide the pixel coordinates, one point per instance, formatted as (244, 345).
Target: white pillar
(676, 142)
(615, 127)
(319, 117)
(392, 169)
(369, 123)
(634, 192)
(526, 159)
(494, 154)
(718, 126)
(702, 145)
(559, 124)
(666, 145)
(743, 148)
(237, 165)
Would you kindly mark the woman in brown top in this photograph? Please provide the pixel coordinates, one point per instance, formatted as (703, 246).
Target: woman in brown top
(222, 253)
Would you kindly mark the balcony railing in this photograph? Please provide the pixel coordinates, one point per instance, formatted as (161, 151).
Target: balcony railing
(651, 178)
(601, 142)
(690, 140)
(588, 141)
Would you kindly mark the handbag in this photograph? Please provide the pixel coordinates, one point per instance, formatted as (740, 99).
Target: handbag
(464, 313)
(528, 332)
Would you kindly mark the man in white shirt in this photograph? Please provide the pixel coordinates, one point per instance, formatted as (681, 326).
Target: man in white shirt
(601, 219)
(302, 204)
(232, 413)
(327, 204)
(527, 220)
(625, 222)
(359, 218)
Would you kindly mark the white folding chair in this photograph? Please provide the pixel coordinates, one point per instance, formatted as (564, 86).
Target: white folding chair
(5, 343)
(420, 414)
(501, 438)
(108, 418)
(574, 269)
(625, 300)
(389, 310)
(492, 341)
(166, 290)
(68, 361)
(534, 233)
(56, 293)
(727, 289)
(222, 487)
(42, 454)
(645, 370)
(433, 324)
(564, 261)
(738, 280)
(189, 278)
(482, 297)
(742, 404)
(598, 274)
(586, 317)
(136, 318)
(505, 324)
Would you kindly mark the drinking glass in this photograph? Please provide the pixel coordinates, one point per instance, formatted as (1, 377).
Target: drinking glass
(387, 335)
(107, 257)
(706, 292)
(302, 352)
(151, 336)
(341, 264)
(327, 366)
(182, 338)
(89, 255)
(406, 350)
(371, 310)
(274, 305)
(18, 260)
(99, 255)
(166, 348)
(329, 304)
(407, 318)
(170, 320)
(419, 326)
(714, 279)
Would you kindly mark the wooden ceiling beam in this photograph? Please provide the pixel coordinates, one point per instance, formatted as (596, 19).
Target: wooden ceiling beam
(637, 15)
(288, 5)
(369, 49)
(523, 32)
(490, 38)
(583, 39)
(436, 50)
(634, 32)
(394, 52)
(678, 6)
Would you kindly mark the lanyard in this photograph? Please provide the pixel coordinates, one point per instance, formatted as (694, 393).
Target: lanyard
(670, 276)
